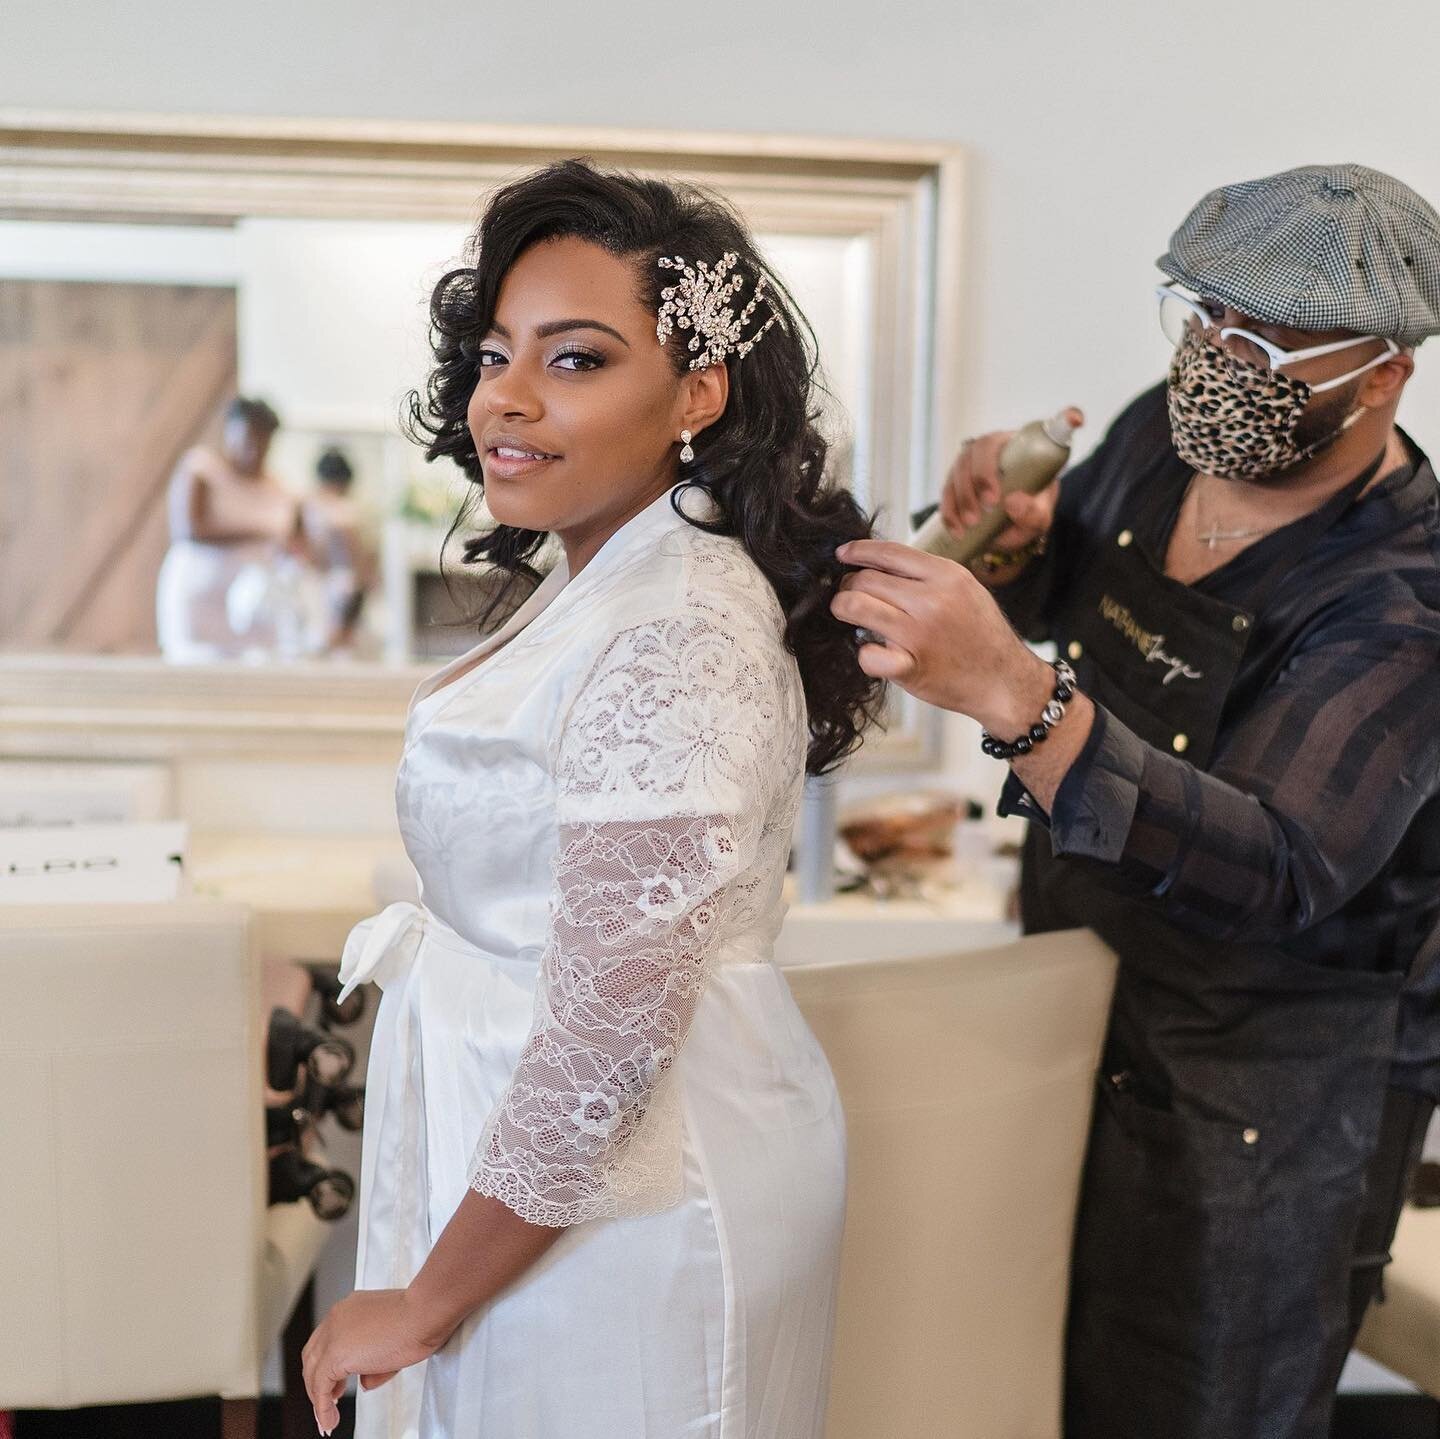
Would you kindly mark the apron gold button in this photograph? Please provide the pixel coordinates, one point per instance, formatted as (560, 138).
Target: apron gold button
(1123, 538)
(1239, 624)
(1075, 649)
(1251, 1136)
(1180, 743)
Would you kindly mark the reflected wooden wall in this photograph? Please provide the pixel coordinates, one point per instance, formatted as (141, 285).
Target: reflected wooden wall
(102, 388)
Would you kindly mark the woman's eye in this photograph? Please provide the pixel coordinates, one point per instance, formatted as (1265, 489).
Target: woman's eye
(578, 360)
(488, 359)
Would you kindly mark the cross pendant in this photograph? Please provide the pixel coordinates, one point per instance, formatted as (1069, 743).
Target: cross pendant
(1214, 536)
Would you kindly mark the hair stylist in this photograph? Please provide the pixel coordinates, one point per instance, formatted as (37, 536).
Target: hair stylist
(1232, 773)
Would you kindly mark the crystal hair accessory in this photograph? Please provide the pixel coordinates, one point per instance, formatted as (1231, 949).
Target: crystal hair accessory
(701, 301)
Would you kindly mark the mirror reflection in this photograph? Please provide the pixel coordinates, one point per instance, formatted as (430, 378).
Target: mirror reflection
(202, 446)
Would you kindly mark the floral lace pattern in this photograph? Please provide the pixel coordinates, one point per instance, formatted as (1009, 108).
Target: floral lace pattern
(677, 774)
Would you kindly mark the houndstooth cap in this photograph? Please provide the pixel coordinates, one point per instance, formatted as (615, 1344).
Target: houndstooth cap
(1321, 247)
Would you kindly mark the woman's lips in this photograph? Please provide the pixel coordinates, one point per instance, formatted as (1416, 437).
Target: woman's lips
(511, 462)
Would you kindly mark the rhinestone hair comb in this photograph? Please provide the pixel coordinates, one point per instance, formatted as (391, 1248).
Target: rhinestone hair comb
(701, 301)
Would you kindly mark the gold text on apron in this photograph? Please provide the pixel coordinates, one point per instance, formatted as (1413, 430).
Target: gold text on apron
(1150, 645)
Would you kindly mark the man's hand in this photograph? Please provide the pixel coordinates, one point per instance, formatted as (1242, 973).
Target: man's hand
(973, 486)
(947, 642)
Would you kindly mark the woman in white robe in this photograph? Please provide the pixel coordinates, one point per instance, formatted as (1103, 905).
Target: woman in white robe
(602, 1186)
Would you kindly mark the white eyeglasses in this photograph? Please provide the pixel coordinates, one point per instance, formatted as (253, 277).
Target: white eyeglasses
(1180, 313)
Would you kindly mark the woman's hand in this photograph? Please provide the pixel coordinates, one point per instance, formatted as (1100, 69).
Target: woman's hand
(373, 1333)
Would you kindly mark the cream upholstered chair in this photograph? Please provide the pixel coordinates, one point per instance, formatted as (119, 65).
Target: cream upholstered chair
(967, 1082)
(1402, 1332)
(138, 1260)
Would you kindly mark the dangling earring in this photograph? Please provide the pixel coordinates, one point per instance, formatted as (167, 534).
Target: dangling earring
(686, 453)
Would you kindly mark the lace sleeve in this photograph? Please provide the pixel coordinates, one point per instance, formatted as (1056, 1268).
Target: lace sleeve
(665, 772)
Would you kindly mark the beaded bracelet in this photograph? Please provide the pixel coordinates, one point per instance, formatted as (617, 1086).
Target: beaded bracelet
(1050, 716)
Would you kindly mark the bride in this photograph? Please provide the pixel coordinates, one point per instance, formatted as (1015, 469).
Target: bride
(603, 1176)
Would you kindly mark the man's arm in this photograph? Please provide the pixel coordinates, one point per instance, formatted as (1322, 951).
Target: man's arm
(1312, 794)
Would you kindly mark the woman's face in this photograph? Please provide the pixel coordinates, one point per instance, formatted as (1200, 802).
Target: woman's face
(245, 445)
(578, 410)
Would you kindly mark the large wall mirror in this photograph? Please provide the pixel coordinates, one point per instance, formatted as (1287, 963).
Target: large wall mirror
(154, 271)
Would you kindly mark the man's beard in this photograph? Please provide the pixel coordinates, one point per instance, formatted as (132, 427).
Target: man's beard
(1320, 424)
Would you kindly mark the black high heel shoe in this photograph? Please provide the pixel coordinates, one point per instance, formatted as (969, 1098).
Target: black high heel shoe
(345, 1101)
(329, 1192)
(294, 1170)
(327, 988)
(291, 1043)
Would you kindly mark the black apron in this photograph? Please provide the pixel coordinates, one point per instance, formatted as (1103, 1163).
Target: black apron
(1241, 1089)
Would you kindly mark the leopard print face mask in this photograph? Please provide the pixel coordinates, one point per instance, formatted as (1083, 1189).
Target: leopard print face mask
(1235, 420)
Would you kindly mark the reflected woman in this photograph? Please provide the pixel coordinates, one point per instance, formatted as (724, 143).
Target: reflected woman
(604, 1161)
(227, 514)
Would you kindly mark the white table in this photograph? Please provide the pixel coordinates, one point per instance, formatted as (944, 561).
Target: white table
(307, 891)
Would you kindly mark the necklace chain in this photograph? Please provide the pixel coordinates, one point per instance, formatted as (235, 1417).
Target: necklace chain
(1215, 536)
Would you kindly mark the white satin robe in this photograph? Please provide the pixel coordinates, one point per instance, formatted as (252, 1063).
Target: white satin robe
(583, 1016)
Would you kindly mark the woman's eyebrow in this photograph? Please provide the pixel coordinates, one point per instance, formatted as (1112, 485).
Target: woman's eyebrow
(557, 327)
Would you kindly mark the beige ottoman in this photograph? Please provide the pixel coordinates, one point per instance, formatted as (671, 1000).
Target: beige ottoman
(1403, 1333)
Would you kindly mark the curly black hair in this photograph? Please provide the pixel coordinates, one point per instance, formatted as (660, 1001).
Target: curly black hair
(762, 461)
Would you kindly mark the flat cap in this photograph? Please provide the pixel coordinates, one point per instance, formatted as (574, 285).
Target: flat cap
(1321, 247)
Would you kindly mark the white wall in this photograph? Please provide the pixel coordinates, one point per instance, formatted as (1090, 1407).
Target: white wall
(1092, 127)
(317, 268)
(118, 254)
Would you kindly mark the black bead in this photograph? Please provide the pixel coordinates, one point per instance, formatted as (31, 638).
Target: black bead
(1039, 731)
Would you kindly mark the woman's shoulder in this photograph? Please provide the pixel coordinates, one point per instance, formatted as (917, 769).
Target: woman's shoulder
(698, 610)
(688, 686)
(704, 579)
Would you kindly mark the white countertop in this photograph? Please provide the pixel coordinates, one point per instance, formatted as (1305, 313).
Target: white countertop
(307, 891)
